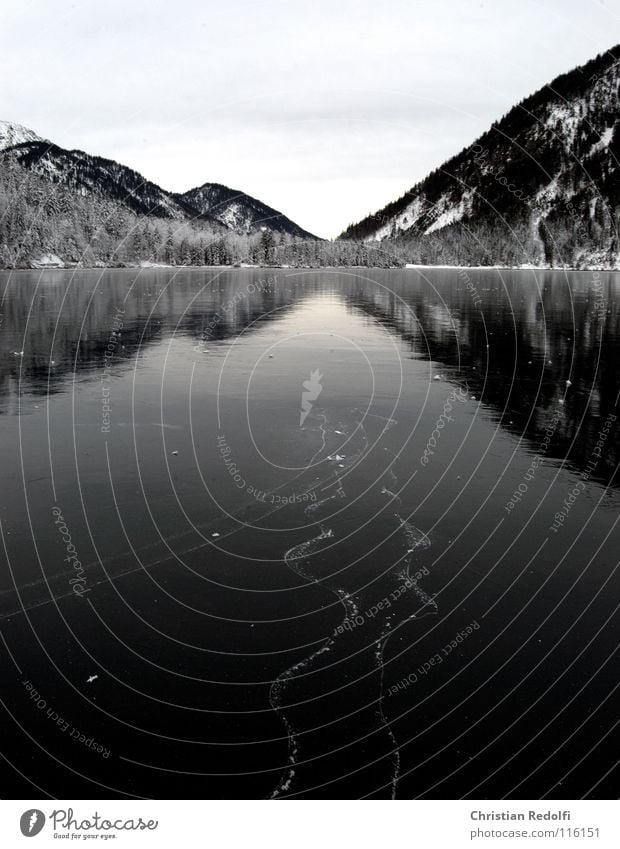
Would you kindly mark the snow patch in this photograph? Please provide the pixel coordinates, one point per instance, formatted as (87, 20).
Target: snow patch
(403, 221)
(451, 213)
(604, 140)
(12, 134)
(564, 118)
(47, 261)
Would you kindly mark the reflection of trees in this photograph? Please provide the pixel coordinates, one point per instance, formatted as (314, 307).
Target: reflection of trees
(540, 330)
(74, 331)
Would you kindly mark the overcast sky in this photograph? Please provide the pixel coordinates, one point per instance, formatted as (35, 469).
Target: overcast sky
(324, 109)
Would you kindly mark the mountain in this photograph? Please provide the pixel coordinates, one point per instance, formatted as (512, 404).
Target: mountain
(238, 211)
(12, 134)
(542, 185)
(219, 207)
(61, 208)
(96, 176)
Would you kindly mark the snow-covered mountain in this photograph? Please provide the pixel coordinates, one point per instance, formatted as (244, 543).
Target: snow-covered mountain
(239, 211)
(98, 177)
(12, 134)
(223, 209)
(541, 185)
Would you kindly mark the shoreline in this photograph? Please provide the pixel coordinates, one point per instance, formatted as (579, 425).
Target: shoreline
(246, 266)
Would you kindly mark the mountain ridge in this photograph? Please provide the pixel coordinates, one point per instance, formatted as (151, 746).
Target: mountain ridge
(547, 170)
(108, 179)
(239, 210)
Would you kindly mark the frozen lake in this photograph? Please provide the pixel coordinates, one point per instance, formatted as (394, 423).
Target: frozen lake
(316, 533)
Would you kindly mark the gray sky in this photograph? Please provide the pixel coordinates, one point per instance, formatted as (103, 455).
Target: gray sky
(325, 109)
